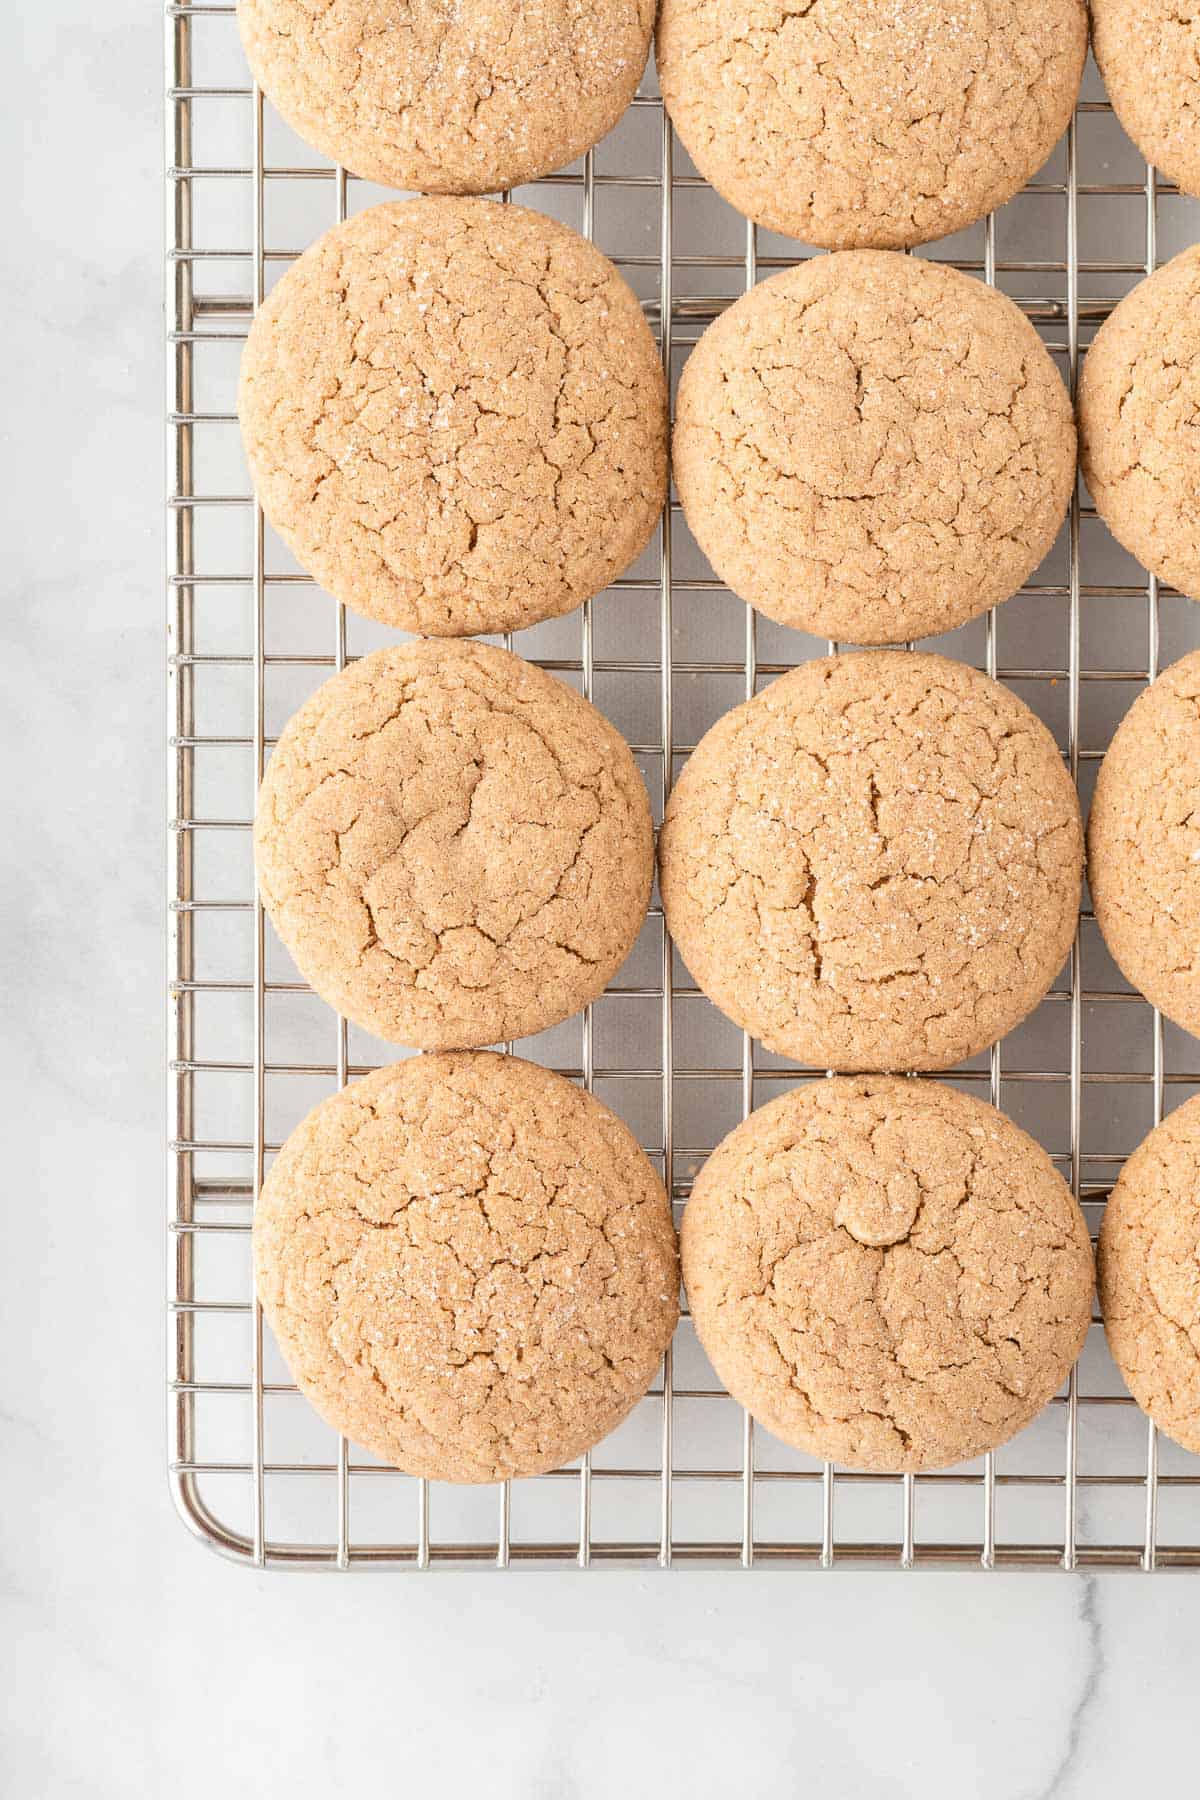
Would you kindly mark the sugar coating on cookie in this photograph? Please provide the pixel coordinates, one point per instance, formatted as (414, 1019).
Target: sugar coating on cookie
(455, 847)
(449, 96)
(1148, 52)
(455, 416)
(885, 123)
(469, 1266)
(1149, 1268)
(1139, 401)
(1144, 844)
(876, 863)
(873, 447)
(886, 1273)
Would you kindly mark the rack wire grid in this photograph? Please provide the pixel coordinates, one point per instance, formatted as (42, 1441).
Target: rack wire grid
(664, 652)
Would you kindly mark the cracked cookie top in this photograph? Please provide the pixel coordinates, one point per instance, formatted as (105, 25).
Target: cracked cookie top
(876, 863)
(455, 416)
(448, 96)
(1139, 422)
(886, 1273)
(469, 1266)
(455, 847)
(873, 447)
(884, 123)
(1148, 52)
(1144, 844)
(1149, 1265)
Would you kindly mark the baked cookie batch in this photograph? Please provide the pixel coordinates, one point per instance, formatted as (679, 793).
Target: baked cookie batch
(456, 417)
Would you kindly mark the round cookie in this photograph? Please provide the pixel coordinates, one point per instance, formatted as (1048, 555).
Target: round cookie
(469, 1266)
(449, 96)
(1148, 52)
(859, 123)
(455, 416)
(875, 864)
(886, 1273)
(873, 447)
(1149, 1267)
(1144, 844)
(455, 847)
(1139, 399)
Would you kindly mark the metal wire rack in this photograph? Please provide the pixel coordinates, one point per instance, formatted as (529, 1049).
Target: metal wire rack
(666, 650)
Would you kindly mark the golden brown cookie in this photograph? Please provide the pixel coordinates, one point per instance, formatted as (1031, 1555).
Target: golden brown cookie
(1149, 1267)
(455, 416)
(873, 447)
(449, 96)
(875, 864)
(1148, 52)
(862, 122)
(886, 1273)
(469, 1266)
(1144, 844)
(1139, 399)
(455, 847)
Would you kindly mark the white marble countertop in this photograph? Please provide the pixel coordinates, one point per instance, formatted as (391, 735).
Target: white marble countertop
(134, 1662)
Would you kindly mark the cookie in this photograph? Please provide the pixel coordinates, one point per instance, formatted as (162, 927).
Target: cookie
(1149, 1266)
(469, 1266)
(859, 123)
(451, 98)
(873, 447)
(1148, 52)
(1139, 397)
(1144, 844)
(455, 847)
(887, 1274)
(875, 863)
(455, 416)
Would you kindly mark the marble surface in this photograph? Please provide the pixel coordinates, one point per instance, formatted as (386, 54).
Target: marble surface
(134, 1663)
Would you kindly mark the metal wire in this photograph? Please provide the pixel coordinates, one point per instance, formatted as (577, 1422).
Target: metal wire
(236, 1485)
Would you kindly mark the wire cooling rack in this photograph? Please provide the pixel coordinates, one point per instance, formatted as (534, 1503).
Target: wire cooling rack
(664, 652)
